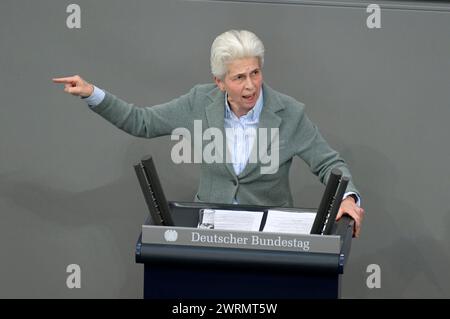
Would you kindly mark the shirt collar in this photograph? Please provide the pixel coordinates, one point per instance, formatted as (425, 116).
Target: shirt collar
(252, 115)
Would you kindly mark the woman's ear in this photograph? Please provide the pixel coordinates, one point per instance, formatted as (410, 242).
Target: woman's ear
(219, 84)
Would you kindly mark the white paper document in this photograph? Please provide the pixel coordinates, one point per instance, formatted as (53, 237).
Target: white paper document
(289, 222)
(278, 221)
(237, 220)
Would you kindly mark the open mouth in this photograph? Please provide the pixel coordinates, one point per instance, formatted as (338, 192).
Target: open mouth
(249, 97)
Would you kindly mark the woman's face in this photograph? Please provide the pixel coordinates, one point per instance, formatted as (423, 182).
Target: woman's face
(243, 83)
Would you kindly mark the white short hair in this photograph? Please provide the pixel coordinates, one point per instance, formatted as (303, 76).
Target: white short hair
(232, 45)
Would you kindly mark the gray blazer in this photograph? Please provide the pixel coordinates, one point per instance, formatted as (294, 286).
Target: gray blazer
(218, 182)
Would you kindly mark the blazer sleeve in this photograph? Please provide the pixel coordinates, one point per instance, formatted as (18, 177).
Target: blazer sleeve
(319, 156)
(147, 122)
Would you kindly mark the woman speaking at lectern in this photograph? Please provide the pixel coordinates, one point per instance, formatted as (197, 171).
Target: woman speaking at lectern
(238, 106)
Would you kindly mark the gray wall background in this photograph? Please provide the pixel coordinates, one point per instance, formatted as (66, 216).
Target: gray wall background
(68, 193)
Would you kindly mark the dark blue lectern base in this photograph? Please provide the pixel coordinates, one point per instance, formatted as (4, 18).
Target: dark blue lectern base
(202, 283)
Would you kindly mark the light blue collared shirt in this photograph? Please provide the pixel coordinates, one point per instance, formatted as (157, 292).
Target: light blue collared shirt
(240, 132)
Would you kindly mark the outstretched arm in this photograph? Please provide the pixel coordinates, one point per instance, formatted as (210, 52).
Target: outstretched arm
(147, 122)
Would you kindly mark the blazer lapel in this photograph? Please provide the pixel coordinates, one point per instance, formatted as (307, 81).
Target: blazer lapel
(215, 115)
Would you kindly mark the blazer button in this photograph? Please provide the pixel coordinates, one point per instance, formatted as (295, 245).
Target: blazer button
(234, 182)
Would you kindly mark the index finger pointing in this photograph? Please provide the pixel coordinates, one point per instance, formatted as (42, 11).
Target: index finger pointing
(69, 79)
